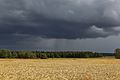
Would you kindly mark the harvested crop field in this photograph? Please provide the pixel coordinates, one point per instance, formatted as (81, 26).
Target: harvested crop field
(60, 69)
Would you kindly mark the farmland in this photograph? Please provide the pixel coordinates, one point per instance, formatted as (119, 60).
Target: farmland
(60, 69)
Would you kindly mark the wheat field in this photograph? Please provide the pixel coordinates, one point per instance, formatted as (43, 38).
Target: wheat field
(60, 69)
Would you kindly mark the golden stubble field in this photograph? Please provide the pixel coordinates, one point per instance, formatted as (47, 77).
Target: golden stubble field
(60, 69)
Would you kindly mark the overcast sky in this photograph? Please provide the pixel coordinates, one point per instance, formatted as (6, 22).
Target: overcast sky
(60, 24)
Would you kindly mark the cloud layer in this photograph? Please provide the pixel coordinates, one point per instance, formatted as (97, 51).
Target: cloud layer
(69, 19)
(21, 20)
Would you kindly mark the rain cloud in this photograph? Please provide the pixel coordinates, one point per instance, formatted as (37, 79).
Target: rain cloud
(58, 19)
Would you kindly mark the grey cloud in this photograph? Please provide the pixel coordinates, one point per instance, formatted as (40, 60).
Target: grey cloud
(99, 44)
(62, 19)
(60, 24)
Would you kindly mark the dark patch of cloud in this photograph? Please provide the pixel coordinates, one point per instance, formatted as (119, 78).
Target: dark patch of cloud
(62, 19)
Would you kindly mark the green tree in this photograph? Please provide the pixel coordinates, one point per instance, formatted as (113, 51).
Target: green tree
(117, 53)
(5, 53)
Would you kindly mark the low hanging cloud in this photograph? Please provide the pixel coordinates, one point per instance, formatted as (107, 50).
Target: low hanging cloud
(58, 19)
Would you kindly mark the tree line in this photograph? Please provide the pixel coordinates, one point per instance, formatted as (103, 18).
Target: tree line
(47, 54)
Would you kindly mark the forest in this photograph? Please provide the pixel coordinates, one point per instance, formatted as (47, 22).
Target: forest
(50, 54)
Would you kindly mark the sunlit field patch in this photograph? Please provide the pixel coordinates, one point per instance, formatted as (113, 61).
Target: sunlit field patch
(60, 69)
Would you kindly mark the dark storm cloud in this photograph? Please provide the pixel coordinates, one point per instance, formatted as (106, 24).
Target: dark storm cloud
(66, 19)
